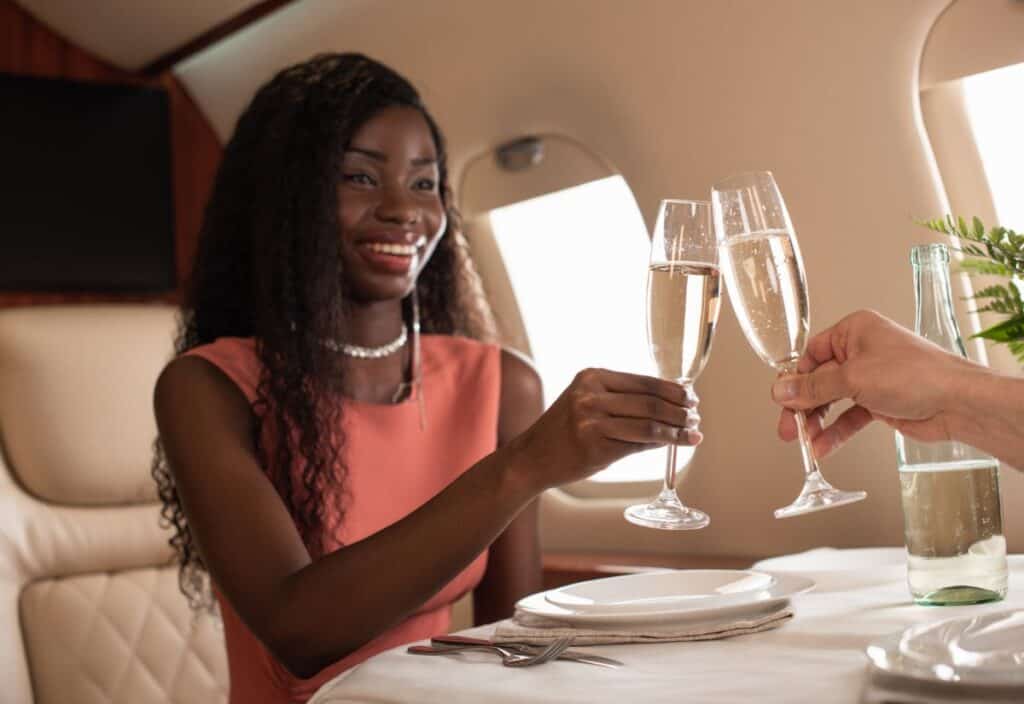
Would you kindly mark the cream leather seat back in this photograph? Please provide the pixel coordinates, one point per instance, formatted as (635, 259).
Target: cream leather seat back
(90, 610)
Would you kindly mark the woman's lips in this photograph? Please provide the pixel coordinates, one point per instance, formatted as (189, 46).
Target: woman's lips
(387, 257)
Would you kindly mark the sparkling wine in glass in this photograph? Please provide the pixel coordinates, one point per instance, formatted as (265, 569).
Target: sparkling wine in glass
(765, 277)
(682, 311)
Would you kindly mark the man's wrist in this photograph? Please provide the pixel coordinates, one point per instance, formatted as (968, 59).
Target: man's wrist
(970, 397)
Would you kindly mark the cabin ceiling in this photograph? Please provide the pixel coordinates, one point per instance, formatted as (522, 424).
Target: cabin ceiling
(624, 79)
(130, 34)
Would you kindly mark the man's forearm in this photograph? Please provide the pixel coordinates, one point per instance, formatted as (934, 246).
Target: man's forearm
(987, 412)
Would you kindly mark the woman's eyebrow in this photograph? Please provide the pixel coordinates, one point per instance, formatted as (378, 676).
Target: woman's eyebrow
(382, 157)
(375, 155)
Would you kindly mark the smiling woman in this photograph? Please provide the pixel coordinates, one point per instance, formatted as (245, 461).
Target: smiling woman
(389, 210)
(293, 464)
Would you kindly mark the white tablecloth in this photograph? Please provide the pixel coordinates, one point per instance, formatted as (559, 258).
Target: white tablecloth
(817, 657)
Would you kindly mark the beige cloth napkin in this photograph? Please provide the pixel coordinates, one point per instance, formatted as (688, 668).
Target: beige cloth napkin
(528, 628)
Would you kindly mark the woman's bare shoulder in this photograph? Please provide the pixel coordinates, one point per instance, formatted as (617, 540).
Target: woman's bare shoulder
(522, 398)
(193, 390)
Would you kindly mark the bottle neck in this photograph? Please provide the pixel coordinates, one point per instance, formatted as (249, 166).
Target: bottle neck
(935, 319)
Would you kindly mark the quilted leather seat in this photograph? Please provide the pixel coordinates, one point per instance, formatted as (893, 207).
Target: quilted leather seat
(90, 610)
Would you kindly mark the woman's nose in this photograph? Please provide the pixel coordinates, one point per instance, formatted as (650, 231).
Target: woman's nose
(397, 206)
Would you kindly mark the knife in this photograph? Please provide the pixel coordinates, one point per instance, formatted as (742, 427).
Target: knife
(517, 651)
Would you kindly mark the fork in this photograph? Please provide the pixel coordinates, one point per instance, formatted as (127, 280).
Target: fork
(554, 649)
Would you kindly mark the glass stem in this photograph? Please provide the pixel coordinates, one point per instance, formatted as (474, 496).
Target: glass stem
(670, 472)
(810, 463)
(669, 488)
(813, 481)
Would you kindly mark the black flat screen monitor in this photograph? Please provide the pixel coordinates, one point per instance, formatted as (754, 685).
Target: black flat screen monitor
(85, 187)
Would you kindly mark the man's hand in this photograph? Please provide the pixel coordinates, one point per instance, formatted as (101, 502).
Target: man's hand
(890, 374)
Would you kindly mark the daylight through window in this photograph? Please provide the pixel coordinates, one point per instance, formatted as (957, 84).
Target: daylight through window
(577, 260)
(995, 104)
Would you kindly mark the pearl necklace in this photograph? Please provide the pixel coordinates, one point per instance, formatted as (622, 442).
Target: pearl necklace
(369, 352)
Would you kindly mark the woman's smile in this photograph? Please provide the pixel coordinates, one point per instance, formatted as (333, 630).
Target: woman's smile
(386, 256)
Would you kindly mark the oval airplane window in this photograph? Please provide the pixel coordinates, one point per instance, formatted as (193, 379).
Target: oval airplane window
(565, 273)
(970, 95)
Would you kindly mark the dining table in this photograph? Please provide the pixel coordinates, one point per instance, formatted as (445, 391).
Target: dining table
(860, 595)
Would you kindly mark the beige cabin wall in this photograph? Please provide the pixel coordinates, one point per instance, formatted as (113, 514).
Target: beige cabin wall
(675, 94)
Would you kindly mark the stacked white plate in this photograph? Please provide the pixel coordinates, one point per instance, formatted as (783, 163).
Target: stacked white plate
(666, 596)
(979, 650)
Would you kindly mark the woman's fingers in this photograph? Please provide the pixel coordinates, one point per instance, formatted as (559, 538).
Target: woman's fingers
(624, 383)
(643, 406)
(648, 433)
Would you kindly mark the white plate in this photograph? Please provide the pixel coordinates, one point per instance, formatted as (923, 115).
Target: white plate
(784, 586)
(659, 591)
(980, 650)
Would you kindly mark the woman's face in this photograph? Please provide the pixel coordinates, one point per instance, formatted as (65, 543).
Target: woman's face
(390, 207)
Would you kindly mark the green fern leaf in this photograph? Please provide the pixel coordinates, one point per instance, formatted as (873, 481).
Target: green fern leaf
(1006, 331)
(982, 267)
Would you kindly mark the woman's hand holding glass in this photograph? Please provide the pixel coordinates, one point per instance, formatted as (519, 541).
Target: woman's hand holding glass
(682, 311)
(601, 417)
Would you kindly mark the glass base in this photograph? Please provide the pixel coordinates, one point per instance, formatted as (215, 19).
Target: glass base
(961, 595)
(974, 576)
(817, 495)
(667, 513)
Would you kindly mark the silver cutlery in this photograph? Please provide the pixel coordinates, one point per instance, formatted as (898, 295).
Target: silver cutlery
(452, 643)
(509, 658)
(506, 656)
(522, 646)
(552, 651)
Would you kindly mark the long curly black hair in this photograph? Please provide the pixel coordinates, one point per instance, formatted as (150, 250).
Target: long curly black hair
(268, 267)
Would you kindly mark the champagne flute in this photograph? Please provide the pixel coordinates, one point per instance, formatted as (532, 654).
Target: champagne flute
(682, 310)
(765, 277)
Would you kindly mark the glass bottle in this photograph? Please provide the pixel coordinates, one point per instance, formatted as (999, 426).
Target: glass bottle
(952, 518)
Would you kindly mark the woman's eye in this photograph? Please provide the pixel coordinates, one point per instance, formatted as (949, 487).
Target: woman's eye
(359, 178)
(425, 184)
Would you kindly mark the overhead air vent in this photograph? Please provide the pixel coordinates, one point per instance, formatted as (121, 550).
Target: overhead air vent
(520, 154)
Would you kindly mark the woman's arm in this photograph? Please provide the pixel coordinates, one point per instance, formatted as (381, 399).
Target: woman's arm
(311, 614)
(514, 564)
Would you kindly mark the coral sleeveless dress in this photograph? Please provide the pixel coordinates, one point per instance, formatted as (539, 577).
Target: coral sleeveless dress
(393, 469)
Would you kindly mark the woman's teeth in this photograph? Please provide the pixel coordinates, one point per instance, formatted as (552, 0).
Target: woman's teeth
(400, 250)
